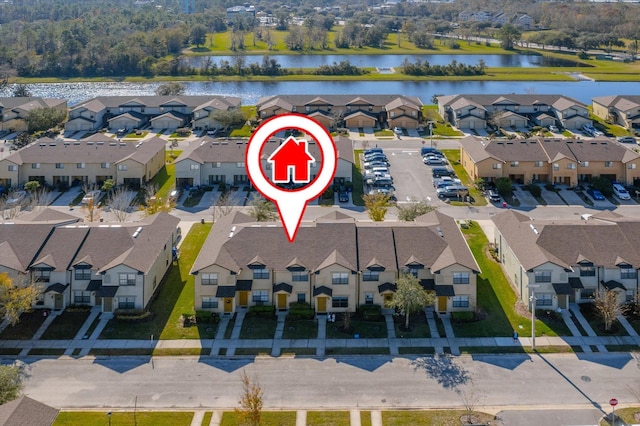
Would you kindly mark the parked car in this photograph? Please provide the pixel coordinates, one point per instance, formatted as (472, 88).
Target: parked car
(554, 129)
(373, 168)
(425, 150)
(212, 132)
(386, 191)
(493, 195)
(175, 194)
(453, 191)
(375, 156)
(397, 130)
(381, 183)
(373, 175)
(595, 194)
(91, 195)
(434, 160)
(438, 180)
(626, 139)
(372, 150)
(442, 171)
(620, 192)
(343, 197)
(17, 197)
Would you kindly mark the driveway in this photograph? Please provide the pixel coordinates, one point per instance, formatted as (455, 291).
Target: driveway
(66, 198)
(525, 197)
(571, 197)
(551, 197)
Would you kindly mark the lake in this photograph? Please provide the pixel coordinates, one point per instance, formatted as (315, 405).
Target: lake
(387, 61)
(251, 91)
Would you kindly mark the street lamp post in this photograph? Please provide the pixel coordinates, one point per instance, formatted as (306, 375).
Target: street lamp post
(532, 299)
(431, 133)
(109, 417)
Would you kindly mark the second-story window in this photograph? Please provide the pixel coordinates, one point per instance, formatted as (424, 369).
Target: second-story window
(340, 278)
(82, 274)
(261, 274)
(370, 276)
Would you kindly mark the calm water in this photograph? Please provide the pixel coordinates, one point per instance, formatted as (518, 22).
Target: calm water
(251, 91)
(387, 61)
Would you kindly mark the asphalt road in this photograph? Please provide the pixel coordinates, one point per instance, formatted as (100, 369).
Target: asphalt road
(498, 381)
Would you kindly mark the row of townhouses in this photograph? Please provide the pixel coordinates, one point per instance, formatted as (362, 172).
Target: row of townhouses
(14, 111)
(521, 20)
(477, 111)
(114, 266)
(209, 161)
(335, 263)
(562, 161)
(63, 164)
(565, 262)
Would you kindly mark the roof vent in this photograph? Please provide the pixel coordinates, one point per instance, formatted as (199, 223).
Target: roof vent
(534, 229)
(90, 143)
(230, 234)
(138, 231)
(440, 232)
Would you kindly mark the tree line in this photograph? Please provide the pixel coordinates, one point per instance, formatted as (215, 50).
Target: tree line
(420, 68)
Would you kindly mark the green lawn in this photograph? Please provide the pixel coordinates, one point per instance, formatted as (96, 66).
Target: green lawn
(365, 329)
(453, 155)
(29, 323)
(495, 297)
(328, 418)
(175, 298)
(141, 418)
(429, 417)
(626, 414)
(134, 135)
(358, 188)
(165, 180)
(66, 325)
(384, 133)
(590, 314)
(302, 329)
(258, 328)
(267, 418)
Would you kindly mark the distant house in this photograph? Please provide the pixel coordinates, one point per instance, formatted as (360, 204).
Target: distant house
(562, 161)
(475, 111)
(115, 266)
(569, 261)
(13, 111)
(381, 111)
(241, 11)
(623, 110)
(209, 161)
(524, 22)
(155, 112)
(93, 160)
(26, 411)
(335, 264)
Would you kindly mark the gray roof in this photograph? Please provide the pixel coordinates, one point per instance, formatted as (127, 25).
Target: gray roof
(434, 240)
(621, 102)
(102, 102)
(286, 101)
(26, 411)
(96, 149)
(20, 243)
(28, 104)
(557, 101)
(603, 242)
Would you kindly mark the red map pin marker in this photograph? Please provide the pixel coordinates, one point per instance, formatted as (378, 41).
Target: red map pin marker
(291, 161)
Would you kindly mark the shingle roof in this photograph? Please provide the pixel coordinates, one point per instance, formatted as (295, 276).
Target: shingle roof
(287, 101)
(27, 411)
(558, 101)
(27, 104)
(20, 243)
(621, 102)
(101, 102)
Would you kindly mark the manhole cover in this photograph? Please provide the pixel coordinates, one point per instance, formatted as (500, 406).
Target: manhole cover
(586, 378)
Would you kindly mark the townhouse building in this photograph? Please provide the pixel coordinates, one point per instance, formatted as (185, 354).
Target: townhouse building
(562, 161)
(210, 161)
(372, 111)
(13, 111)
(93, 160)
(477, 111)
(564, 262)
(115, 266)
(335, 263)
(154, 112)
(623, 110)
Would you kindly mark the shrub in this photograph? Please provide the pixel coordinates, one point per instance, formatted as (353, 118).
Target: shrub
(78, 308)
(300, 311)
(132, 315)
(462, 316)
(371, 312)
(504, 187)
(262, 311)
(207, 317)
(603, 185)
(535, 190)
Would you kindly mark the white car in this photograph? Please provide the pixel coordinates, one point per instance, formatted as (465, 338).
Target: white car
(397, 130)
(16, 197)
(554, 129)
(91, 195)
(620, 192)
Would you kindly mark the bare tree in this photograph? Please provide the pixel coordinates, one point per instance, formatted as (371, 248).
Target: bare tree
(119, 204)
(14, 204)
(222, 207)
(92, 210)
(155, 204)
(608, 306)
(40, 197)
(470, 398)
(262, 209)
(251, 401)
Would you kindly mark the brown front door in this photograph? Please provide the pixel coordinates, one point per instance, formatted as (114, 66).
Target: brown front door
(322, 304)
(107, 304)
(228, 305)
(244, 297)
(282, 301)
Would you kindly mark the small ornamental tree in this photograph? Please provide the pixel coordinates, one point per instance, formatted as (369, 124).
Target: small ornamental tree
(608, 307)
(377, 205)
(16, 299)
(251, 400)
(410, 297)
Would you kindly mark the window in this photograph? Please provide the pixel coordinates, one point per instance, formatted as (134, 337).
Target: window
(123, 167)
(587, 271)
(587, 293)
(571, 166)
(461, 278)
(299, 275)
(585, 164)
(370, 276)
(302, 297)
(261, 274)
(630, 296)
(538, 164)
(340, 302)
(41, 275)
(413, 271)
(631, 166)
(608, 163)
(127, 278)
(556, 167)
(82, 274)
(126, 302)
(307, 108)
(35, 165)
(260, 296)
(195, 167)
(80, 165)
(209, 302)
(59, 166)
(627, 272)
(12, 168)
(240, 164)
(515, 163)
(105, 165)
(543, 276)
(340, 278)
(544, 299)
(240, 178)
(460, 301)
(368, 298)
(82, 297)
(497, 166)
(209, 279)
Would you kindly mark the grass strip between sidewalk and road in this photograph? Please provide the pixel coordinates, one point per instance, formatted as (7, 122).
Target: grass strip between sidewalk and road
(140, 418)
